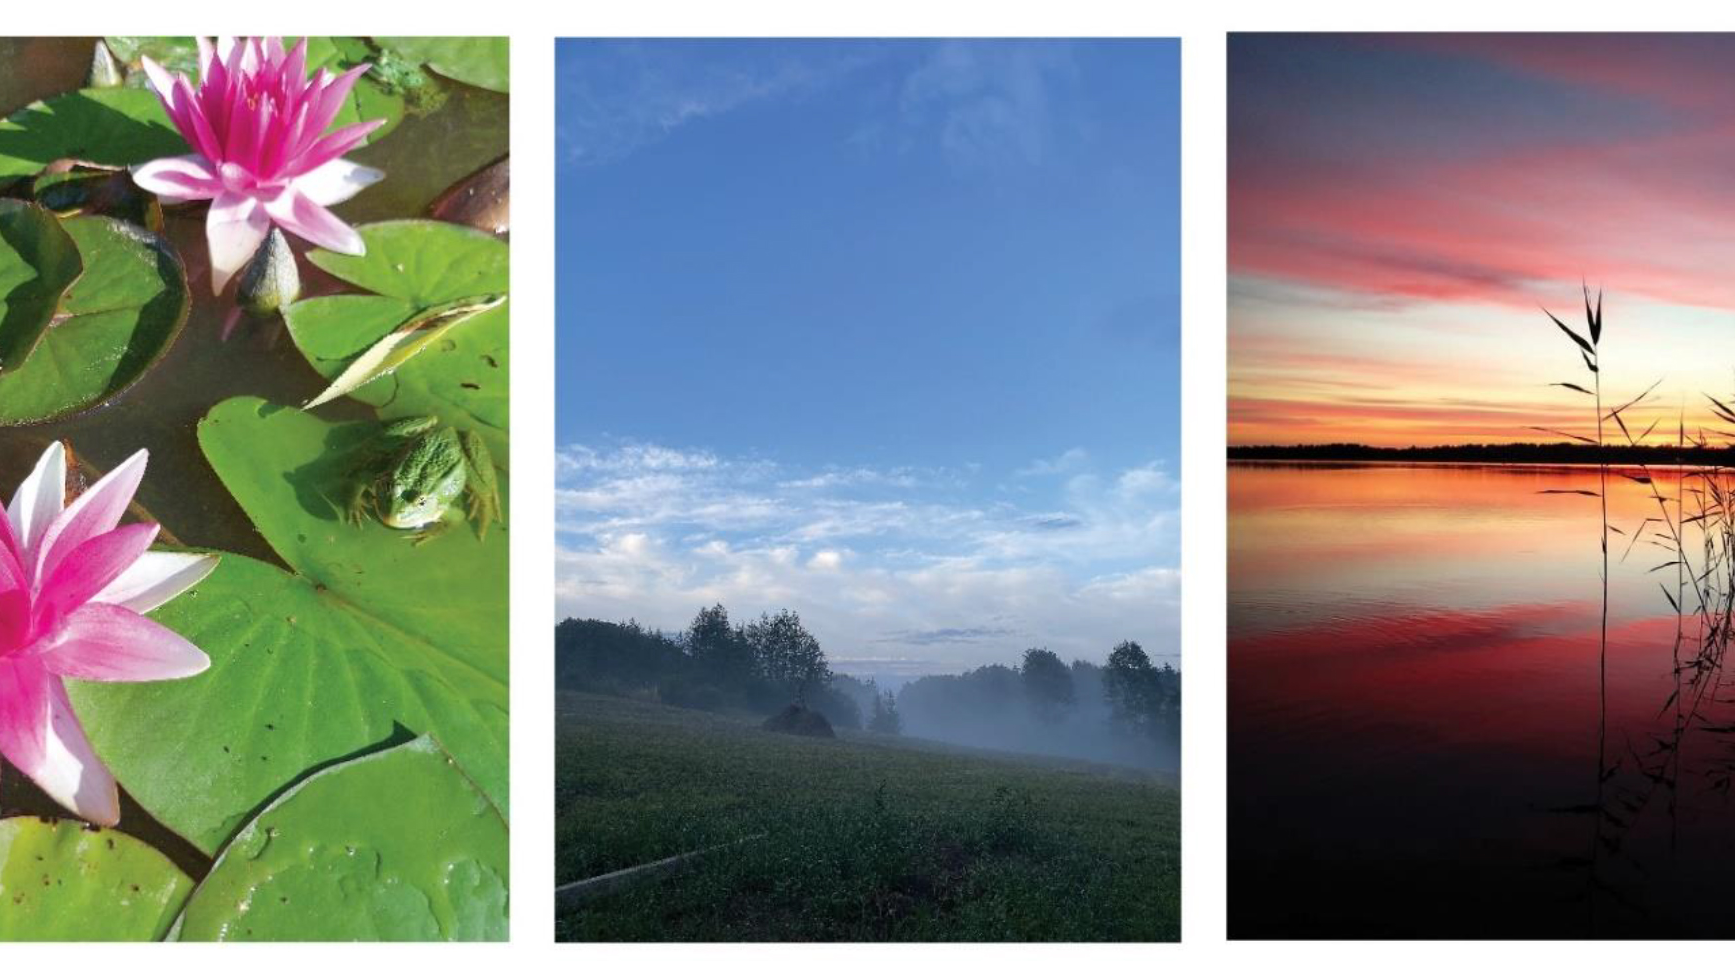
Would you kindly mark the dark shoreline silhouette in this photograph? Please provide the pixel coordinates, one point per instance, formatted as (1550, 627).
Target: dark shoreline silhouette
(1560, 453)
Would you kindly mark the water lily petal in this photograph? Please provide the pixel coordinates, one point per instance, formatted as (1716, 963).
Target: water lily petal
(103, 642)
(194, 121)
(178, 179)
(251, 55)
(53, 750)
(327, 100)
(15, 619)
(39, 500)
(295, 65)
(162, 81)
(12, 574)
(206, 54)
(242, 134)
(229, 51)
(295, 213)
(330, 147)
(89, 569)
(235, 228)
(337, 181)
(91, 514)
(156, 578)
(24, 711)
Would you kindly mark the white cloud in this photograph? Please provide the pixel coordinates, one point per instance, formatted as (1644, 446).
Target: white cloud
(636, 457)
(988, 103)
(1070, 460)
(873, 560)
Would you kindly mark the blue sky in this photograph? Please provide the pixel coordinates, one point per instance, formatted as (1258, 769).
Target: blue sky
(883, 331)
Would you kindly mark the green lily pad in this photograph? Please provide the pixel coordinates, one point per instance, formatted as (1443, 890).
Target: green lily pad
(290, 472)
(104, 126)
(178, 54)
(413, 266)
(114, 323)
(38, 261)
(61, 881)
(298, 679)
(335, 859)
(369, 635)
(89, 190)
(484, 62)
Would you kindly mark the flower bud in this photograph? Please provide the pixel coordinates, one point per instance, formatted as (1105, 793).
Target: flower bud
(270, 281)
(105, 71)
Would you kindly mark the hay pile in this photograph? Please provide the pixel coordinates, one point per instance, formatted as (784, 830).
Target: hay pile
(797, 720)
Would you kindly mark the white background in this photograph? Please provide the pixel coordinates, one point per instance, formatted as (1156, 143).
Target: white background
(533, 26)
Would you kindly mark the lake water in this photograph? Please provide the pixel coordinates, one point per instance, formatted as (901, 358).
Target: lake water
(1427, 736)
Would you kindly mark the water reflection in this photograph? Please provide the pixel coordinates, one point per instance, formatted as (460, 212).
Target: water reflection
(1429, 734)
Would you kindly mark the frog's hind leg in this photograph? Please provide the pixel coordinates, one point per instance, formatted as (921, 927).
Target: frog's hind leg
(482, 489)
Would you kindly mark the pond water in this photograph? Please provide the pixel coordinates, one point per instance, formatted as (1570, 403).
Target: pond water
(423, 156)
(1429, 736)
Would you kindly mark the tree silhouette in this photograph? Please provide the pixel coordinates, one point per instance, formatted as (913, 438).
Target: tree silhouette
(886, 718)
(786, 655)
(1047, 683)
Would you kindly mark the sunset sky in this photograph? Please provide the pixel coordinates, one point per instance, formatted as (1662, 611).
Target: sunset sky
(1401, 208)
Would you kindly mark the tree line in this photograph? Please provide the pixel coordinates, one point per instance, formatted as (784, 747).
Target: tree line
(1127, 710)
(714, 664)
(1524, 453)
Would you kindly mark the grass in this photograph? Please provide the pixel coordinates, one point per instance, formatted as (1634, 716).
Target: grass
(867, 838)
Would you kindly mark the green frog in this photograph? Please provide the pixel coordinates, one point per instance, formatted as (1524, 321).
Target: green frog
(418, 469)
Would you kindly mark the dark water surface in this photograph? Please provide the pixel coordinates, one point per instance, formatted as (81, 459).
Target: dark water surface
(1418, 704)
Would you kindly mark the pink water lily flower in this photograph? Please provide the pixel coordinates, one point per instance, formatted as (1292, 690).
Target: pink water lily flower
(74, 585)
(256, 123)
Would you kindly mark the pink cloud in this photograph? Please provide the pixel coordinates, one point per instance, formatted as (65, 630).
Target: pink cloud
(1650, 214)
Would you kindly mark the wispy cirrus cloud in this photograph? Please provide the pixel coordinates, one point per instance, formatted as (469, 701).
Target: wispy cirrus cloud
(984, 106)
(873, 559)
(619, 96)
(987, 105)
(1068, 461)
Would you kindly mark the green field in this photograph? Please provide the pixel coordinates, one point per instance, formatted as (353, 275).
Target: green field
(866, 838)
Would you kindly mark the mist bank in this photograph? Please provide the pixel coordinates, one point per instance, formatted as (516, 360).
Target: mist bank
(1127, 716)
(1125, 711)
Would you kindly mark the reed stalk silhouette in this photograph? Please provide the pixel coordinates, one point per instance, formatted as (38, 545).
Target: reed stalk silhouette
(1698, 678)
(1588, 351)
